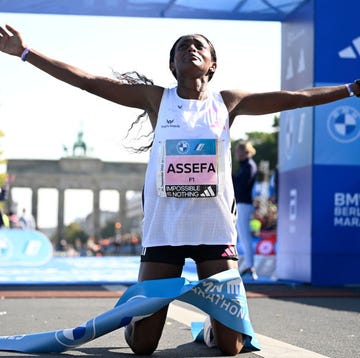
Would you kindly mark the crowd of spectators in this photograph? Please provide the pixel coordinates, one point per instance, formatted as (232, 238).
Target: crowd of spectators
(127, 244)
(264, 217)
(11, 220)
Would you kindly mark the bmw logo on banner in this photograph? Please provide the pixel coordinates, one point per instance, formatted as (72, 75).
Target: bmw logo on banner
(344, 124)
(337, 133)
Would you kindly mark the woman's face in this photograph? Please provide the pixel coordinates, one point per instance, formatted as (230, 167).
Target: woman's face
(193, 56)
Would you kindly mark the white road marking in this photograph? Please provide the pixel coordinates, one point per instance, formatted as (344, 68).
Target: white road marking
(184, 316)
(270, 348)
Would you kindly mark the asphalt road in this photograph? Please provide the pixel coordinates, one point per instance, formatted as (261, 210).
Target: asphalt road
(290, 323)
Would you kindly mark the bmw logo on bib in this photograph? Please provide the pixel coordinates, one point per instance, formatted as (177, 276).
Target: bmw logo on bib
(183, 147)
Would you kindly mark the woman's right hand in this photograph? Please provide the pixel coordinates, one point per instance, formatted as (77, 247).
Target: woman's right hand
(11, 41)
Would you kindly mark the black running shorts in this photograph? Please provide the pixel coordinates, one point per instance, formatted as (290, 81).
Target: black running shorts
(177, 254)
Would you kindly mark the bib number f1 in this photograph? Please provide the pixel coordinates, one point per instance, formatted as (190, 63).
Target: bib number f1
(188, 168)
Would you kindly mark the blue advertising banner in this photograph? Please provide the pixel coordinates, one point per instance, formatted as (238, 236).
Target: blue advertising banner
(337, 41)
(294, 225)
(337, 133)
(336, 208)
(336, 225)
(293, 257)
(297, 59)
(336, 217)
(296, 126)
(296, 139)
(318, 227)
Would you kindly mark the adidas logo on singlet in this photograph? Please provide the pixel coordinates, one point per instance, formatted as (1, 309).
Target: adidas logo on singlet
(208, 192)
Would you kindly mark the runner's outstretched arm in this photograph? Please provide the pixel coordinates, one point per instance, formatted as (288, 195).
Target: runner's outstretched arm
(138, 96)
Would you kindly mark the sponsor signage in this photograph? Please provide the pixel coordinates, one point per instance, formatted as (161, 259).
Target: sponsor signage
(337, 57)
(319, 161)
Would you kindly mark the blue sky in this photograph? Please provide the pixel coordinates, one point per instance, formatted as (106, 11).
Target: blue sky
(40, 114)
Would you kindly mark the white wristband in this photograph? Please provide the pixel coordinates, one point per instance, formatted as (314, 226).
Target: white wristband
(350, 88)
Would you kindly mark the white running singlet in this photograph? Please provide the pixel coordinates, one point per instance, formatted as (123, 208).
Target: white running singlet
(188, 193)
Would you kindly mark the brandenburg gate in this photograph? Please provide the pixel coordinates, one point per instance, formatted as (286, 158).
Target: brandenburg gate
(76, 173)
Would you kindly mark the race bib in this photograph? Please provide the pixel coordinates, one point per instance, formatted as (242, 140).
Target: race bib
(188, 168)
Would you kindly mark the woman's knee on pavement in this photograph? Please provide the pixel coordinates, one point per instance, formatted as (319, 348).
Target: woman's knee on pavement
(140, 341)
(227, 340)
(231, 348)
(143, 336)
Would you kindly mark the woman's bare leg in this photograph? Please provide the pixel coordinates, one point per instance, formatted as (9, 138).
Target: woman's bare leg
(143, 336)
(227, 340)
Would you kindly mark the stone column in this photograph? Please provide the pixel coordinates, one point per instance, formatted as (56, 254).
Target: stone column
(122, 205)
(61, 208)
(34, 204)
(96, 213)
(9, 200)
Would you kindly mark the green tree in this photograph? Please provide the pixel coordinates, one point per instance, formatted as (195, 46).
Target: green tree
(73, 232)
(266, 145)
(108, 230)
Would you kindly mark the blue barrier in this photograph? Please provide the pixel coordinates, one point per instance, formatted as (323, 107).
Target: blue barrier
(24, 248)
